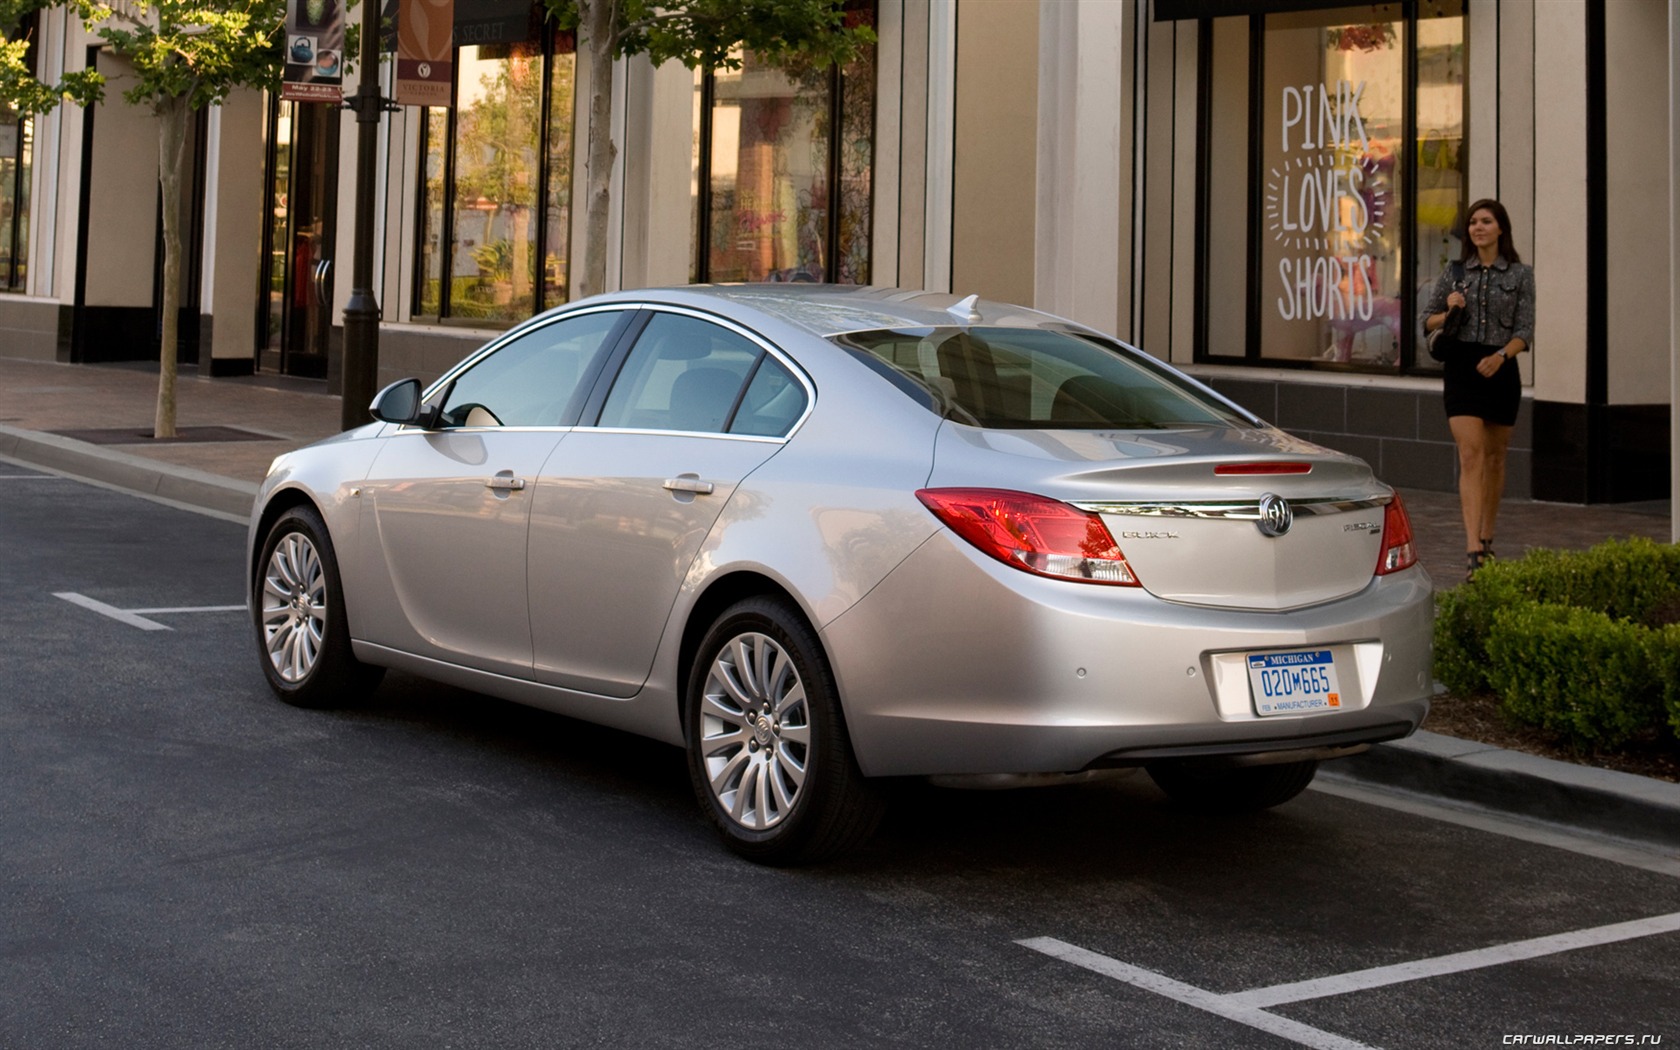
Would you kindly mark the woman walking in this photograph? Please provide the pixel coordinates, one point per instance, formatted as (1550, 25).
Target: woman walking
(1488, 297)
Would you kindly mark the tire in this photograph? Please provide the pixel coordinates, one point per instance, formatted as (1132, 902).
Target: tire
(1232, 789)
(302, 634)
(768, 753)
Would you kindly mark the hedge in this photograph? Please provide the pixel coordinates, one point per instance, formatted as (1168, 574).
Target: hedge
(1564, 639)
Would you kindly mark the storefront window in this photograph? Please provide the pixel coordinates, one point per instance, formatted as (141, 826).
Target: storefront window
(1333, 121)
(783, 172)
(17, 148)
(1354, 184)
(17, 155)
(495, 214)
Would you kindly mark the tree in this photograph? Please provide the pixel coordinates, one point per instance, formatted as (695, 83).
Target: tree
(701, 34)
(186, 55)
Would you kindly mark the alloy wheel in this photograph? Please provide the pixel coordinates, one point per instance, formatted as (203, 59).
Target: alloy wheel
(755, 731)
(294, 614)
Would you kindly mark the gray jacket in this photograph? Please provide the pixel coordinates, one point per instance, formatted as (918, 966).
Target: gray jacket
(1499, 301)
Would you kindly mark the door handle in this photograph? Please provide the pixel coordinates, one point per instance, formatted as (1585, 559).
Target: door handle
(505, 483)
(689, 483)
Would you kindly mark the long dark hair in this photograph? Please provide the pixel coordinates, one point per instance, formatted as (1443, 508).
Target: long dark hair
(1503, 218)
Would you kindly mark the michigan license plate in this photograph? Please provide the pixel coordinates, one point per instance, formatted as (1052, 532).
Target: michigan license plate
(1294, 683)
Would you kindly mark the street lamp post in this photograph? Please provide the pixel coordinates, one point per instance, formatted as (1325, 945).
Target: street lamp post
(361, 313)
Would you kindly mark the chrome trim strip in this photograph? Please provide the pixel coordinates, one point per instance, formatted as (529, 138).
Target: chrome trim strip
(1248, 510)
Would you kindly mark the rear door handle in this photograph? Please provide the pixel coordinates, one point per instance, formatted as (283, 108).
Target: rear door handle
(505, 483)
(689, 483)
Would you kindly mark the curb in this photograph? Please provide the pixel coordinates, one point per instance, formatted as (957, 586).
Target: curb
(1600, 800)
(148, 477)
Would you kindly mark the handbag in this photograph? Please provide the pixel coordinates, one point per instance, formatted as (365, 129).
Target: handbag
(1443, 337)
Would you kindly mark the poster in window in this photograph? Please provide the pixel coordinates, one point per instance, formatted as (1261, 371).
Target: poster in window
(314, 51)
(425, 39)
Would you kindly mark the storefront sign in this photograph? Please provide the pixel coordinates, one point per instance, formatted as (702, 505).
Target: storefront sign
(1323, 203)
(495, 22)
(424, 52)
(314, 51)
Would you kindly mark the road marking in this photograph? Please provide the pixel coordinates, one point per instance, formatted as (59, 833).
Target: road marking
(1250, 1007)
(137, 617)
(1458, 962)
(1633, 853)
(188, 609)
(30, 477)
(1190, 995)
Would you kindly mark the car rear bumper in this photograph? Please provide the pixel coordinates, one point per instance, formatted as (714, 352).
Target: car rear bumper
(957, 664)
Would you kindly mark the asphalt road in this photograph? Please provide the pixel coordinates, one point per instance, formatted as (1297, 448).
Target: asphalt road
(187, 862)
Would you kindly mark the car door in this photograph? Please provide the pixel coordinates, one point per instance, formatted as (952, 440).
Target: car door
(622, 507)
(450, 506)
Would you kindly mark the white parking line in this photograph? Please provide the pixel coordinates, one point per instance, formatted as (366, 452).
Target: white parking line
(1190, 995)
(30, 477)
(1249, 1007)
(137, 617)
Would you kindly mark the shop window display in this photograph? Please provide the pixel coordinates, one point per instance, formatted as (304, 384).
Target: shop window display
(785, 157)
(1354, 184)
(495, 211)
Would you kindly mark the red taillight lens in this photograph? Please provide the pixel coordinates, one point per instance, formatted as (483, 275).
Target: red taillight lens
(1397, 550)
(1033, 533)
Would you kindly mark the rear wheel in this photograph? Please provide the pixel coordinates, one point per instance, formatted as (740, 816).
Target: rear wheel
(769, 755)
(1232, 789)
(301, 629)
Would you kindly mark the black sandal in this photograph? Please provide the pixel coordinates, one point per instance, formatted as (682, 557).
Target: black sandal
(1487, 548)
(1473, 561)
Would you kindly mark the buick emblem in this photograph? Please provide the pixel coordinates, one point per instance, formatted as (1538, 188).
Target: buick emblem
(1275, 515)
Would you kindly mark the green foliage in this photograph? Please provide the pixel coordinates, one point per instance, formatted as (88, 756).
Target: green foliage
(706, 34)
(1568, 639)
(1574, 671)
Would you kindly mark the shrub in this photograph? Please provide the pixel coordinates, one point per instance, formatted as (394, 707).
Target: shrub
(1573, 641)
(1576, 672)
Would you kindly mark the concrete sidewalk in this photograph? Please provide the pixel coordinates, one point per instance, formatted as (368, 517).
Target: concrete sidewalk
(68, 418)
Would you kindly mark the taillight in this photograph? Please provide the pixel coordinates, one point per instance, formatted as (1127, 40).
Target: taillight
(1397, 550)
(1033, 533)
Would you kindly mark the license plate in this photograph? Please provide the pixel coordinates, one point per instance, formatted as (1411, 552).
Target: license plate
(1294, 683)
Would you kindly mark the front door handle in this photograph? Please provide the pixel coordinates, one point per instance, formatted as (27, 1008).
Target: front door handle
(689, 483)
(505, 482)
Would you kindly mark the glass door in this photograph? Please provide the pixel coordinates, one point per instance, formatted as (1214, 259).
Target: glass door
(301, 234)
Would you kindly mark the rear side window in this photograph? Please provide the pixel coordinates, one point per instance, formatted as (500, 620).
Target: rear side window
(683, 374)
(773, 403)
(1038, 378)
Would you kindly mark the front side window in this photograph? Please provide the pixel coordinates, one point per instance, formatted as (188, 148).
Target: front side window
(537, 379)
(1038, 379)
(495, 211)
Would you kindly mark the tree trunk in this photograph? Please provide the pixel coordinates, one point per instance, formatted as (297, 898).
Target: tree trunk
(600, 17)
(172, 120)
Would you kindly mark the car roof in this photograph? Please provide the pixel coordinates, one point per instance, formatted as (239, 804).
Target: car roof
(832, 309)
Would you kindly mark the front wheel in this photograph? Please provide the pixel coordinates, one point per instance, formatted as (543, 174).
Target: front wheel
(1232, 789)
(768, 751)
(300, 622)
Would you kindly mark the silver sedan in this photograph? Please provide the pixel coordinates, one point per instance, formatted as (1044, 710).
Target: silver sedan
(822, 536)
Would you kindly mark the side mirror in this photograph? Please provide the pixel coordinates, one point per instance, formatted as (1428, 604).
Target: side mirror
(397, 403)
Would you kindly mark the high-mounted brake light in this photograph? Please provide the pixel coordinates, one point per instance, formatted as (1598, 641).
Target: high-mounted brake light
(1252, 469)
(1033, 533)
(1397, 550)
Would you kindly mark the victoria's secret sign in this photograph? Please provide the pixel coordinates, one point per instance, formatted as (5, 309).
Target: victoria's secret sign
(1323, 204)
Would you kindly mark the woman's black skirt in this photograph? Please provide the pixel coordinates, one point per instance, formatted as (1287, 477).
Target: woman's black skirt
(1467, 392)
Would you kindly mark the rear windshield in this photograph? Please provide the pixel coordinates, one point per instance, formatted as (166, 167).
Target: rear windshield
(1037, 378)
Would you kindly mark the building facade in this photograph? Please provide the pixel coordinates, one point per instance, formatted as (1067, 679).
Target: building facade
(1260, 193)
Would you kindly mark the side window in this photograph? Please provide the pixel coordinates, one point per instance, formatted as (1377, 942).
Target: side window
(534, 380)
(682, 374)
(773, 403)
